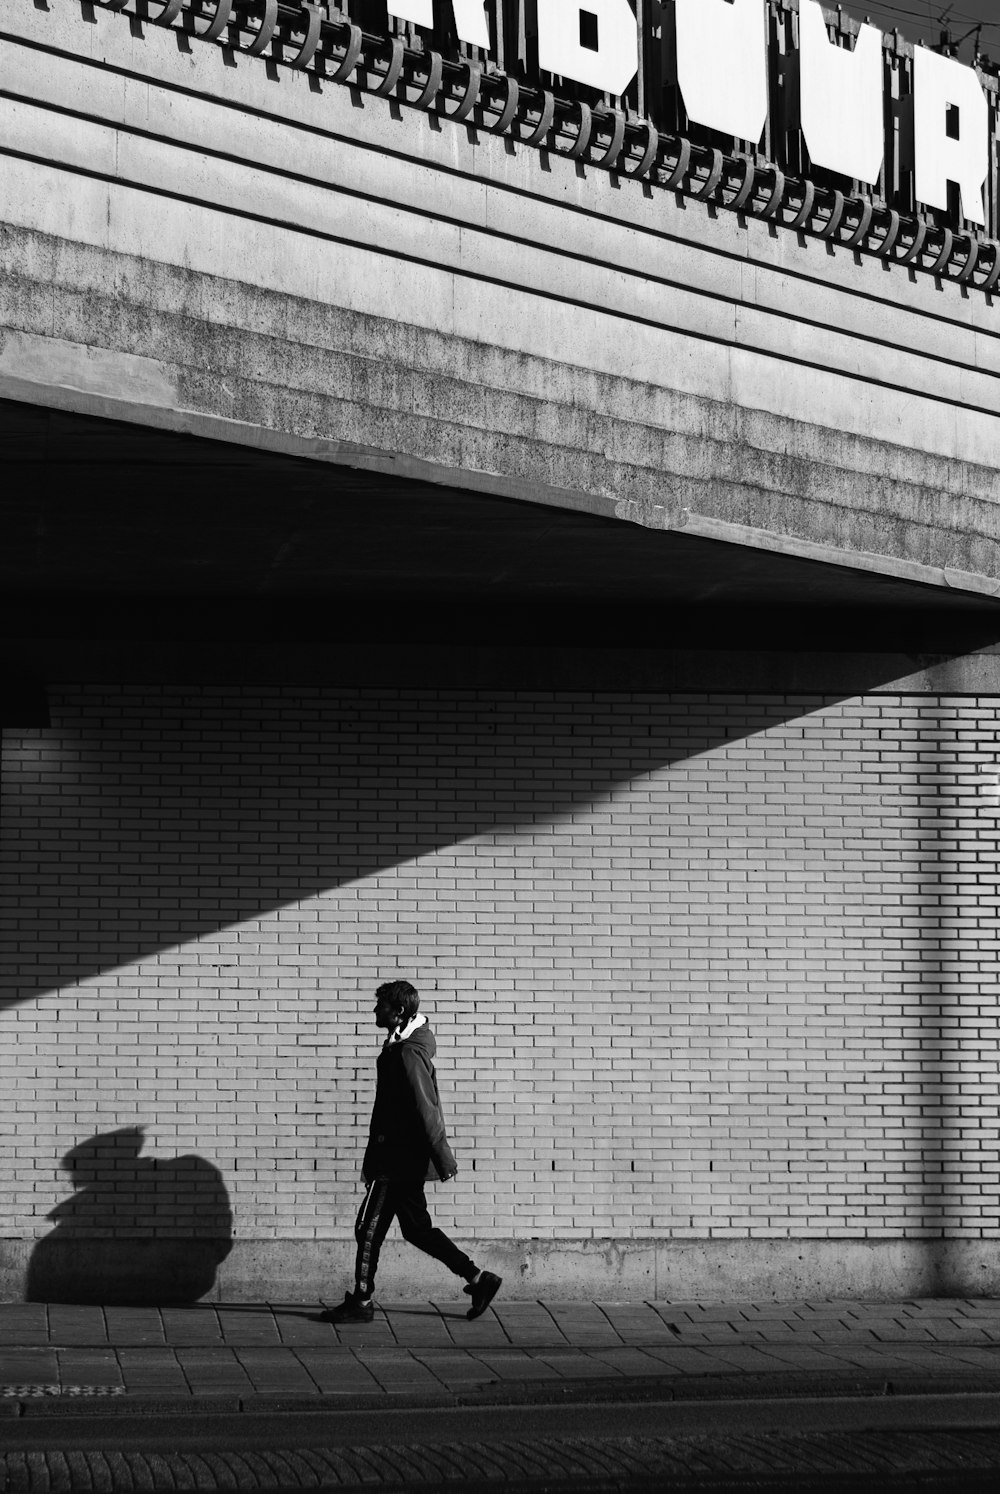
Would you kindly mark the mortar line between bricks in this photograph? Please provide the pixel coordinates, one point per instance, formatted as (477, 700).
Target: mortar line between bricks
(503, 1330)
(552, 1319)
(187, 1379)
(303, 1366)
(610, 1324)
(443, 1384)
(388, 1321)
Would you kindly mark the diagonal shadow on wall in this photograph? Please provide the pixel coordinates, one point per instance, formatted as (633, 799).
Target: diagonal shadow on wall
(141, 821)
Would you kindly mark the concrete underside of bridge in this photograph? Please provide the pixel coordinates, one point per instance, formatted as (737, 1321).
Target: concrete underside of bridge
(423, 553)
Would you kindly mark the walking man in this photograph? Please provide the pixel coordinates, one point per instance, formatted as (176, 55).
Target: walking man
(407, 1147)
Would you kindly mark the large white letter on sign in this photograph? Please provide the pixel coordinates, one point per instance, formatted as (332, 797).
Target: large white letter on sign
(841, 94)
(470, 18)
(615, 61)
(722, 64)
(951, 132)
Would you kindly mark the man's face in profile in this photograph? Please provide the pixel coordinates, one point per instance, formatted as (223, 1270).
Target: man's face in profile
(385, 1012)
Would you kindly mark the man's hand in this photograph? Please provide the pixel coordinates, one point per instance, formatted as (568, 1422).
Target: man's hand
(446, 1177)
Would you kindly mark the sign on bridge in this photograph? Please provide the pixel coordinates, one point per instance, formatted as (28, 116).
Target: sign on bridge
(777, 108)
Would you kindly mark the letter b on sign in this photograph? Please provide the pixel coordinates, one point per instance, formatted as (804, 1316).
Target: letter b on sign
(470, 18)
(566, 42)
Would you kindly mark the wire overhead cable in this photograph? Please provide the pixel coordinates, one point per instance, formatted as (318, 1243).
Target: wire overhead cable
(930, 26)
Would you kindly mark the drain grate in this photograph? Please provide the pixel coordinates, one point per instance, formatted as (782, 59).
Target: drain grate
(25, 1392)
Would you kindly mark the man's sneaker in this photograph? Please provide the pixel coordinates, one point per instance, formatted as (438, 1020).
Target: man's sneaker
(349, 1311)
(482, 1292)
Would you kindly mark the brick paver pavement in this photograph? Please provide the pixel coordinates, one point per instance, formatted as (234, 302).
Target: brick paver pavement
(842, 1461)
(425, 1349)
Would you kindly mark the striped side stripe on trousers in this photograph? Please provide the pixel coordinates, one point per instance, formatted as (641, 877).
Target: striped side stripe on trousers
(366, 1227)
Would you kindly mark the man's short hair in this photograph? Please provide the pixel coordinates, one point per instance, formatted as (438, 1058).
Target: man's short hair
(403, 996)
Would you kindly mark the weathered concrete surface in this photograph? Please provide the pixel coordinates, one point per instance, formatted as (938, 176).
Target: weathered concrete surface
(636, 1269)
(560, 1270)
(215, 246)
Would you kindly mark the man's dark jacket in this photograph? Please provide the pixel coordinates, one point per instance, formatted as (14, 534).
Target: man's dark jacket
(408, 1141)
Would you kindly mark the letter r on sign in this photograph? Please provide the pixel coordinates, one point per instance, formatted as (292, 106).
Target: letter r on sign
(951, 133)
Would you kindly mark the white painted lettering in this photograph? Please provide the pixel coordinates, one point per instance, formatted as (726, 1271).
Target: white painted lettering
(841, 94)
(470, 18)
(471, 23)
(611, 64)
(722, 64)
(418, 12)
(951, 132)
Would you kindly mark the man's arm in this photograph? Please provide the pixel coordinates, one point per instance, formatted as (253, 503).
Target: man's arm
(425, 1099)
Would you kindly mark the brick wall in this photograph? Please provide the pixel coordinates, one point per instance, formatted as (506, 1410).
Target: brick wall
(698, 966)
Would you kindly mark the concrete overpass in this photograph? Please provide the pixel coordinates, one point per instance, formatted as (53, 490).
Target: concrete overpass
(461, 332)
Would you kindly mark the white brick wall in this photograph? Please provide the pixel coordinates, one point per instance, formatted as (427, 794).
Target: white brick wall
(698, 965)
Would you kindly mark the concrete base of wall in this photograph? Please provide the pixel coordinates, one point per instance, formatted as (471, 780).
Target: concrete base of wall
(151, 1271)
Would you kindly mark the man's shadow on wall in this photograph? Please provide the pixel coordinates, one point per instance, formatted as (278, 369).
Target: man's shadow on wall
(136, 1231)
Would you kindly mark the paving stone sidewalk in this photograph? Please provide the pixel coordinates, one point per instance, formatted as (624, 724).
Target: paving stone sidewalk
(241, 1351)
(747, 1463)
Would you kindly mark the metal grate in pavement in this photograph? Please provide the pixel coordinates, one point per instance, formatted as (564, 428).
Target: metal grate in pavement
(28, 1392)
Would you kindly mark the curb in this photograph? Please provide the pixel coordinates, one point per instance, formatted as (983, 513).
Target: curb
(632, 1390)
(944, 1481)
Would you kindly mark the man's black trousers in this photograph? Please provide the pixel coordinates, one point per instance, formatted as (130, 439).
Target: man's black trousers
(385, 1201)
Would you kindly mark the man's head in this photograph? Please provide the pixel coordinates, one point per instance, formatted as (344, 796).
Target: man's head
(396, 1003)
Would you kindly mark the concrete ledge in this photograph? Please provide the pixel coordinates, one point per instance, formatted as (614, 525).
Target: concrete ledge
(642, 1270)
